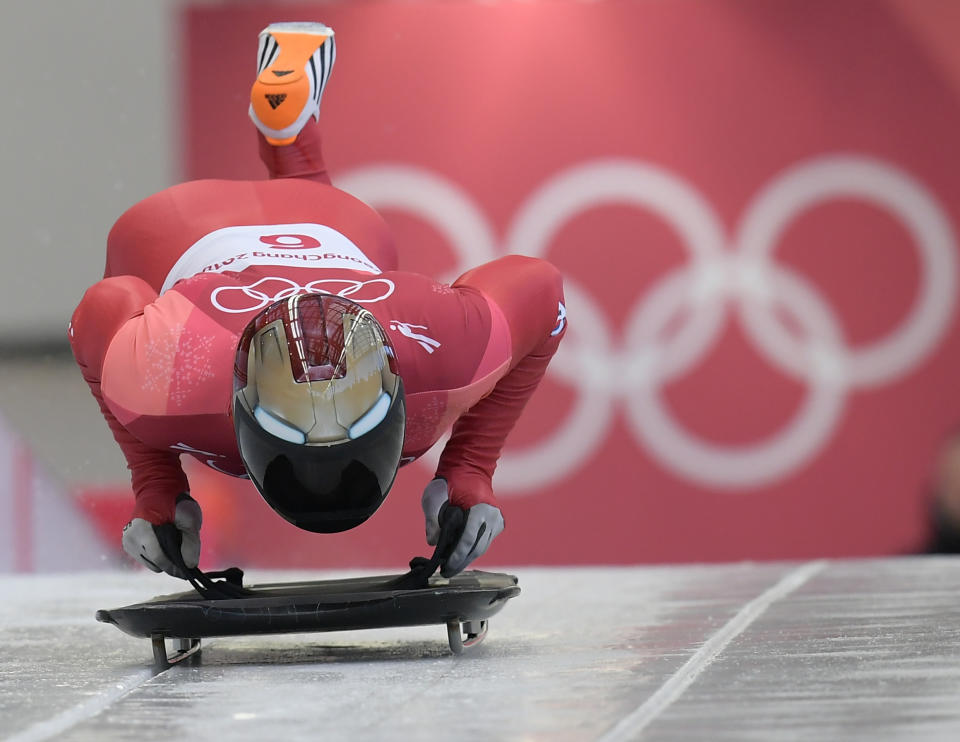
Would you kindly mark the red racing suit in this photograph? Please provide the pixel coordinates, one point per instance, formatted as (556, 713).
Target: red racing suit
(189, 267)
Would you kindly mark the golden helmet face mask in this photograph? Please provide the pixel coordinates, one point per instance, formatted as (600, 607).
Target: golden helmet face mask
(318, 395)
(319, 410)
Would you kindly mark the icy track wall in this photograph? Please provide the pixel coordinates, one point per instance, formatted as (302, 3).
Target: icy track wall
(755, 208)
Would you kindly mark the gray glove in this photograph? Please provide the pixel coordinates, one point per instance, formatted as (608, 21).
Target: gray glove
(484, 523)
(140, 540)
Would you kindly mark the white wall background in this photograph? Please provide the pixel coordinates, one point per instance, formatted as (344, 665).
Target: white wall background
(87, 122)
(87, 128)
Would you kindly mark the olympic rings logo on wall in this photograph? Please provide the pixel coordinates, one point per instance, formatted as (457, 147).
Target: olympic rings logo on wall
(746, 279)
(263, 293)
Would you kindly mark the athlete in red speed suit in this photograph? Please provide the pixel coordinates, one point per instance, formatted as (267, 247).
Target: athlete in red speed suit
(187, 269)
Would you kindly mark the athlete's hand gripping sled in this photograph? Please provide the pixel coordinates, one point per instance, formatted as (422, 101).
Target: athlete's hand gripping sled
(219, 604)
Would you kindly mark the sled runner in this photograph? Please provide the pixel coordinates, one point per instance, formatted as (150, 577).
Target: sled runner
(220, 605)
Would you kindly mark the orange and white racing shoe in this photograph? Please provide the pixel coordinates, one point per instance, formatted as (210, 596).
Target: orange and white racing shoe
(294, 61)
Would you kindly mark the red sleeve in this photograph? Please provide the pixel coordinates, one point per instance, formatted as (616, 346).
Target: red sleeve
(156, 475)
(529, 292)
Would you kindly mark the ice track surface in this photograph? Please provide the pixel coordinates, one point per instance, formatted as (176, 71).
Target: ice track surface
(832, 650)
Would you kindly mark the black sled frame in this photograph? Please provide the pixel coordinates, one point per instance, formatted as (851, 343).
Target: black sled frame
(225, 607)
(463, 604)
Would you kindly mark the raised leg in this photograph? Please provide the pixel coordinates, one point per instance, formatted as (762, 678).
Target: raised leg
(294, 62)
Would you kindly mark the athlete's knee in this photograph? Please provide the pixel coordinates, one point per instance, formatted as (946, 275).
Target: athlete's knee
(533, 277)
(529, 291)
(544, 276)
(103, 310)
(538, 281)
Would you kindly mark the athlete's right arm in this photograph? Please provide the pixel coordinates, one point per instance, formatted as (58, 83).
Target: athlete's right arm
(156, 475)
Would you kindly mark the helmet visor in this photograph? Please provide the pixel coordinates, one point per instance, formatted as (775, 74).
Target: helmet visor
(318, 410)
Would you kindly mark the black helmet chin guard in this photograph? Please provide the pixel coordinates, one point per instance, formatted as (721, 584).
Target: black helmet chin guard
(318, 411)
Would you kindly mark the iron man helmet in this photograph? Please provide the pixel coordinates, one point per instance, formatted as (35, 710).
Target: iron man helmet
(318, 410)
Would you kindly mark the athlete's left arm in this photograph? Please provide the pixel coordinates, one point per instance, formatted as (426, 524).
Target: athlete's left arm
(529, 292)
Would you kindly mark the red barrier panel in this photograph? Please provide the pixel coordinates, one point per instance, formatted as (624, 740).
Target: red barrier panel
(754, 205)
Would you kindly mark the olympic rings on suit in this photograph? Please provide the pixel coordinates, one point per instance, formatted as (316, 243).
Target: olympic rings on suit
(251, 298)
